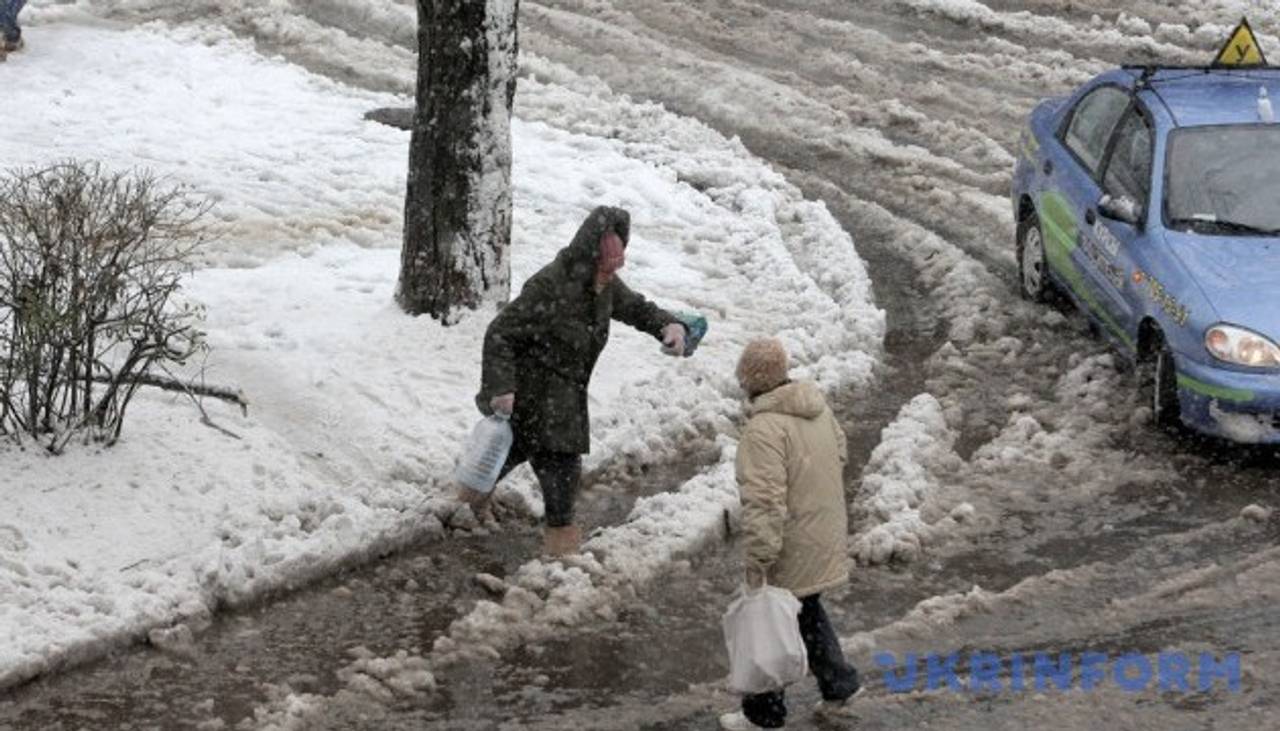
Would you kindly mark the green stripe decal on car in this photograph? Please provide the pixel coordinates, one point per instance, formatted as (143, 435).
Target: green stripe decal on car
(1057, 215)
(1030, 151)
(1061, 238)
(1234, 395)
(1030, 145)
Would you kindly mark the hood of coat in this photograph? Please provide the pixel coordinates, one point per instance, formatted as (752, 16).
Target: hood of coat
(802, 400)
(579, 257)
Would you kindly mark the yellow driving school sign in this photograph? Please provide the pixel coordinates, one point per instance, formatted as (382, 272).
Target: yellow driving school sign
(1241, 49)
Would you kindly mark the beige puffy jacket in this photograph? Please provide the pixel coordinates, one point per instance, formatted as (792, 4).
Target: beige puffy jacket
(790, 477)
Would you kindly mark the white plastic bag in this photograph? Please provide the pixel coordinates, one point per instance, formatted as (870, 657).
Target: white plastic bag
(762, 632)
(485, 454)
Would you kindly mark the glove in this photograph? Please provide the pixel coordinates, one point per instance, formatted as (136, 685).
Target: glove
(504, 404)
(673, 339)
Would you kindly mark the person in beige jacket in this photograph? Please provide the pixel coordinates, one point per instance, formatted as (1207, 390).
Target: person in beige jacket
(790, 476)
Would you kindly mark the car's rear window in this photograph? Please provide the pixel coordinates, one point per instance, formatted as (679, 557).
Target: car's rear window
(1227, 177)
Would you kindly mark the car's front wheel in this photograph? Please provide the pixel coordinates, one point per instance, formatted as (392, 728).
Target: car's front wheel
(1033, 264)
(1158, 384)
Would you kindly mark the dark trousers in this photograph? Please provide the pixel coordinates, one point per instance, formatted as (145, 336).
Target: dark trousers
(9, 19)
(558, 475)
(837, 679)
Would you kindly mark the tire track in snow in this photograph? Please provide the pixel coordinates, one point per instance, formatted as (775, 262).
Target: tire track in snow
(1086, 40)
(745, 99)
(1089, 601)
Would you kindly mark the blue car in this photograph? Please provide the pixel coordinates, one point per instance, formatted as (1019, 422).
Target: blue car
(1151, 199)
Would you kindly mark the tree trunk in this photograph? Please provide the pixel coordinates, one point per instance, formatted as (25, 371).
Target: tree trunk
(457, 222)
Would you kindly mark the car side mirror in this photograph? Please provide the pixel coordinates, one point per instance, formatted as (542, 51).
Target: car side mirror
(1121, 208)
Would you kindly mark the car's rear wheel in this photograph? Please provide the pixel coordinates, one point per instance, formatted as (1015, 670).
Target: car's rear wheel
(1158, 383)
(1033, 264)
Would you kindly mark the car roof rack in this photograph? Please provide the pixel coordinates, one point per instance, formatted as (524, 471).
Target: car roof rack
(1205, 67)
(1149, 70)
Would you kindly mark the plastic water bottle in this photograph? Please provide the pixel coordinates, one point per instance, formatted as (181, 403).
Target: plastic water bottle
(485, 454)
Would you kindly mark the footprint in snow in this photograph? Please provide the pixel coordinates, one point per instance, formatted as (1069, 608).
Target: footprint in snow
(11, 539)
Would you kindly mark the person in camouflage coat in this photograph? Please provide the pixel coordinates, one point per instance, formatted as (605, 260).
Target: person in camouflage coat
(540, 351)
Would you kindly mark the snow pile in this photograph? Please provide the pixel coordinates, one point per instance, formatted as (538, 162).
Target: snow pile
(356, 410)
(386, 679)
(1257, 513)
(1133, 25)
(902, 486)
(1243, 428)
(286, 711)
(927, 619)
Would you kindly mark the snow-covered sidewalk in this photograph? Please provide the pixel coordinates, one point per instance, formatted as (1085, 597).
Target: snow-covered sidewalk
(357, 410)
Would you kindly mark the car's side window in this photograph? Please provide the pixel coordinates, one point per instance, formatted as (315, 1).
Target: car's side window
(1092, 122)
(1129, 169)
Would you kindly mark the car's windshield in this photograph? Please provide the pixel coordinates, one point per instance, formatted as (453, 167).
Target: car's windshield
(1225, 177)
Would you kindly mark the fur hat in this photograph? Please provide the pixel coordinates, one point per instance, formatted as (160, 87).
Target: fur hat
(763, 366)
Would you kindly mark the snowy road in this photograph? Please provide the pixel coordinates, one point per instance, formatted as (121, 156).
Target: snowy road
(1086, 530)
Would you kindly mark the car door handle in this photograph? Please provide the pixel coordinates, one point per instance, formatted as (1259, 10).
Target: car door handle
(1090, 217)
(1048, 167)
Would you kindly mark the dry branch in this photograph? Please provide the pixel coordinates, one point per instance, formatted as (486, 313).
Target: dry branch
(223, 393)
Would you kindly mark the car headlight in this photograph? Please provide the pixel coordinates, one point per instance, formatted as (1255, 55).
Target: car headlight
(1243, 347)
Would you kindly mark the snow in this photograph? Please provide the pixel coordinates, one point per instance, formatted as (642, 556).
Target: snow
(907, 469)
(491, 209)
(1257, 513)
(1141, 588)
(1103, 39)
(386, 678)
(917, 494)
(356, 411)
(284, 177)
(1242, 428)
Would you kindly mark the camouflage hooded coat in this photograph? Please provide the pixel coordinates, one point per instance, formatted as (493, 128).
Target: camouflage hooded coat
(543, 346)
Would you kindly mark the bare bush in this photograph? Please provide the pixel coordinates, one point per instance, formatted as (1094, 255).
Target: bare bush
(91, 265)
